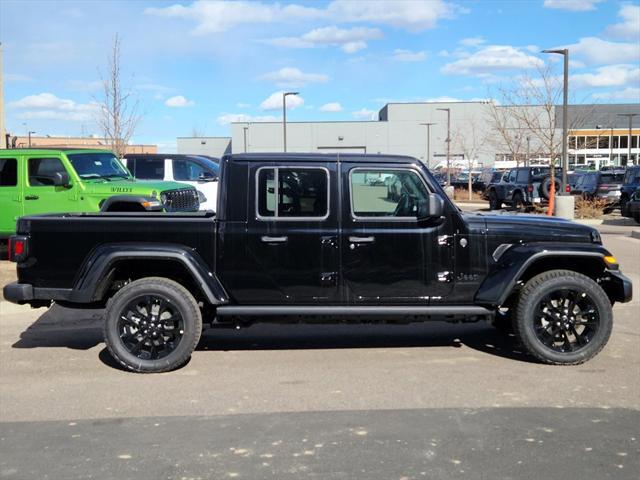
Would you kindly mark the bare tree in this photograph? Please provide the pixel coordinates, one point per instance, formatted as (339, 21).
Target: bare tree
(118, 109)
(468, 139)
(509, 132)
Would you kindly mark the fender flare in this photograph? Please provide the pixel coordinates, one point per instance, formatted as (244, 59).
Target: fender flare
(135, 199)
(100, 261)
(513, 260)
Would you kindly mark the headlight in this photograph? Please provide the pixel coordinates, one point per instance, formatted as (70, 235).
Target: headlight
(201, 197)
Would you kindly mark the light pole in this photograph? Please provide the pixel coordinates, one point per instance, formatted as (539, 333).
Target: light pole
(284, 116)
(428, 125)
(448, 140)
(29, 135)
(526, 160)
(565, 100)
(630, 115)
(244, 133)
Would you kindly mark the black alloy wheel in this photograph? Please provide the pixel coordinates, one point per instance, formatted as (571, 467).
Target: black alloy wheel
(152, 325)
(563, 317)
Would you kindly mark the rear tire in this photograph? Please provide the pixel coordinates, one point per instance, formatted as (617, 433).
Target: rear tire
(152, 325)
(517, 202)
(494, 203)
(563, 317)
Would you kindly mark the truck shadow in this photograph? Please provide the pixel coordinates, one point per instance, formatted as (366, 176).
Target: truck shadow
(82, 329)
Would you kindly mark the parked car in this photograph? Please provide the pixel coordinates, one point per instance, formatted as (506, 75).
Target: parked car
(633, 206)
(630, 185)
(40, 180)
(333, 249)
(573, 178)
(522, 187)
(488, 176)
(461, 180)
(199, 171)
(605, 186)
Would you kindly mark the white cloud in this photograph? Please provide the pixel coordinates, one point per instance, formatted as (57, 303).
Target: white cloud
(243, 105)
(472, 41)
(491, 59)
(630, 25)
(408, 56)
(227, 118)
(178, 102)
(608, 76)
(47, 106)
(274, 102)
(349, 40)
(331, 107)
(218, 16)
(290, 77)
(364, 114)
(572, 5)
(595, 51)
(630, 93)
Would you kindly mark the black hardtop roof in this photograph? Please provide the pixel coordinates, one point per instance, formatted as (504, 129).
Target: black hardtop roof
(168, 155)
(320, 157)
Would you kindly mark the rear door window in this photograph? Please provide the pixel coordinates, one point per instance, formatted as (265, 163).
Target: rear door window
(8, 172)
(148, 168)
(523, 175)
(43, 170)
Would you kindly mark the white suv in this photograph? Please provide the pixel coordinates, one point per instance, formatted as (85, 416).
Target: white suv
(200, 171)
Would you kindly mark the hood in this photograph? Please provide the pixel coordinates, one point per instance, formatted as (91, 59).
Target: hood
(532, 228)
(132, 186)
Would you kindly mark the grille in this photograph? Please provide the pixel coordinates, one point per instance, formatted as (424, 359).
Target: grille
(183, 200)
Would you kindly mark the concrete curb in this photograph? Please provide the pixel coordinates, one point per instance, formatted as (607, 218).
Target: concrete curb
(635, 234)
(589, 221)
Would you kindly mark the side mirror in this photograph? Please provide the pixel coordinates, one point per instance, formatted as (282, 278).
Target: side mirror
(207, 177)
(61, 179)
(430, 207)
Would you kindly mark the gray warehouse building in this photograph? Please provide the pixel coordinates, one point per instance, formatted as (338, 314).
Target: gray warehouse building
(599, 135)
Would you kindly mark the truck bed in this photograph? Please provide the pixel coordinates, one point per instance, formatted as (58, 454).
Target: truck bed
(62, 242)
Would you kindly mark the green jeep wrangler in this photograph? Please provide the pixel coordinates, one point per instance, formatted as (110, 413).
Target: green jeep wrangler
(41, 180)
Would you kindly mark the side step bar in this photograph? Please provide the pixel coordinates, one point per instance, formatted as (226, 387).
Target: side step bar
(376, 311)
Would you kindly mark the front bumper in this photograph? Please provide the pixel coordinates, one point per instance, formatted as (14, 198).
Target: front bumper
(619, 287)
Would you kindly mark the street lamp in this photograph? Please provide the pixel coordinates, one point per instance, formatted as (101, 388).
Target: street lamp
(428, 125)
(630, 115)
(565, 96)
(284, 116)
(29, 135)
(244, 132)
(448, 140)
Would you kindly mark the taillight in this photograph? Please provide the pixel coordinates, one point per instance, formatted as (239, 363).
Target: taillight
(18, 248)
(530, 188)
(567, 189)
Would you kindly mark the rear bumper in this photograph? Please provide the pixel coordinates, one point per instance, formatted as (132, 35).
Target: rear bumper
(18, 292)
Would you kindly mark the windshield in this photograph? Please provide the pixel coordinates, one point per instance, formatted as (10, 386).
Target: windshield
(98, 165)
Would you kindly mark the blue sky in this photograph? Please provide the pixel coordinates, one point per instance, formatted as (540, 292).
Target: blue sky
(197, 65)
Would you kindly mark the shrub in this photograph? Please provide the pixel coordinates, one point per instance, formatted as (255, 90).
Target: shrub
(590, 208)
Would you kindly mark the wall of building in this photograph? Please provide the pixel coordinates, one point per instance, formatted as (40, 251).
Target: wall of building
(76, 142)
(211, 146)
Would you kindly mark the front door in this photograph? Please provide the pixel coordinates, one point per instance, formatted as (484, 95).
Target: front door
(389, 257)
(41, 195)
(10, 196)
(292, 235)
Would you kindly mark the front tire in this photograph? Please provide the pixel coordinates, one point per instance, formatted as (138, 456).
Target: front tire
(152, 325)
(563, 317)
(494, 203)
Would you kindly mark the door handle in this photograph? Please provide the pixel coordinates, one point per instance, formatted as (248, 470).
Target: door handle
(362, 239)
(268, 239)
(31, 197)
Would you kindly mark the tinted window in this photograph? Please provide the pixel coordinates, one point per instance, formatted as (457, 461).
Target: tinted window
(8, 172)
(191, 171)
(297, 192)
(149, 168)
(523, 175)
(42, 171)
(398, 196)
(512, 176)
(611, 177)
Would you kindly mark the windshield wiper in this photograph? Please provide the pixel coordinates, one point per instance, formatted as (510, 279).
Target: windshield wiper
(116, 175)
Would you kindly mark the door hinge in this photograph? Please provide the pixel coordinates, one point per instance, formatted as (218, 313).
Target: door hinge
(445, 240)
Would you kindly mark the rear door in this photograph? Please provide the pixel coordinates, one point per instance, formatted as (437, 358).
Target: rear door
(292, 235)
(10, 195)
(389, 257)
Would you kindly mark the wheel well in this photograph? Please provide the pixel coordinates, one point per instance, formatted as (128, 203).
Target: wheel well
(127, 270)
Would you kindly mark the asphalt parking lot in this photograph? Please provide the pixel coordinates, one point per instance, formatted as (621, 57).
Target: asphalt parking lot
(435, 401)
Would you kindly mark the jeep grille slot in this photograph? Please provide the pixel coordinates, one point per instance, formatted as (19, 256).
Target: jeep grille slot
(182, 200)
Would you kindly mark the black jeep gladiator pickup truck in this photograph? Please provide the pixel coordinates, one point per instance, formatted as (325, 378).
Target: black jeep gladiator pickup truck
(307, 237)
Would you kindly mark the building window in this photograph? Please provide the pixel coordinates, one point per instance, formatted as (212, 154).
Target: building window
(603, 142)
(624, 142)
(572, 142)
(634, 141)
(581, 141)
(592, 142)
(615, 140)
(297, 193)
